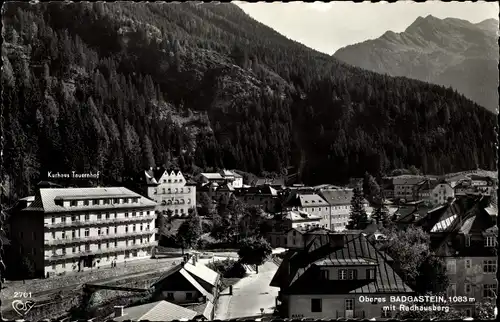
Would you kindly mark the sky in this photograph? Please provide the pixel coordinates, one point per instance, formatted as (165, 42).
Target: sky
(329, 26)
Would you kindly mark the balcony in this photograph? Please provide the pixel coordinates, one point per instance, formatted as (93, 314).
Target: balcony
(101, 222)
(86, 239)
(98, 252)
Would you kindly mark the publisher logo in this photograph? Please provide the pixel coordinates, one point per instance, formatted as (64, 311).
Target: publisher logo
(22, 307)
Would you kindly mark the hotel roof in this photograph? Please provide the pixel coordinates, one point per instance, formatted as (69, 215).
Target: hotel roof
(46, 197)
(340, 250)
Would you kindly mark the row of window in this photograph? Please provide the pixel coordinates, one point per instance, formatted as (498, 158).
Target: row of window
(489, 266)
(173, 181)
(489, 290)
(109, 245)
(174, 202)
(100, 231)
(348, 274)
(100, 216)
(170, 190)
(96, 202)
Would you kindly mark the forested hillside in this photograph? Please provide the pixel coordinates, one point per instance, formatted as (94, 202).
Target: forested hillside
(115, 87)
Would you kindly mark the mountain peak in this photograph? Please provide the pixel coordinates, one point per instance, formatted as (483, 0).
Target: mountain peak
(420, 22)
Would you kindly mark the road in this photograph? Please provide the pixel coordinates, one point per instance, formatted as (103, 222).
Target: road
(250, 294)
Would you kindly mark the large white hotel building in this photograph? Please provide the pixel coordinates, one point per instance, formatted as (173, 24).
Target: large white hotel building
(77, 229)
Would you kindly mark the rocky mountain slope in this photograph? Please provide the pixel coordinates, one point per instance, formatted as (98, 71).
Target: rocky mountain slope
(448, 52)
(117, 87)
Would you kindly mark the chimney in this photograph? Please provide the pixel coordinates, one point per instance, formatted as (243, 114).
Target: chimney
(193, 259)
(118, 311)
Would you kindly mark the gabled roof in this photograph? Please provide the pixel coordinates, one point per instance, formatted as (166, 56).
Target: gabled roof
(350, 248)
(157, 311)
(46, 197)
(154, 174)
(189, 272)
(306, 200)
(296, 216)
(203, 272)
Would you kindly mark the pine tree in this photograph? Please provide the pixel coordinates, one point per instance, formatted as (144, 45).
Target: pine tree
(357, 217)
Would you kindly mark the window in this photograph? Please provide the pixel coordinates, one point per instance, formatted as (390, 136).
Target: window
(385, 313)
(63, 265)
(126, 215)
(87, 232)
(99, 216)
(63, 235)
(489, 266)
(349, 304)
(85, 202)
(451, 266)
(325, 274)
(489, 241)
(107, 215)
(467, 289)
(53, 235)
(116, 243)
(53, 219)
(370, 273)
(126, 229)
(116, 200)
(452, 289)
(170, 296)
(99, 231)
(87, 216)
(316, 305)
(87, 247)
(54, 252)
(95, 202)
(133, 213)
(489, 290)
(106, 201)
(107, 230)
(352, 274)
(98, 245)
(467, 241)
(73, 203)
(342, 274)
(73, 249)
(468, 263)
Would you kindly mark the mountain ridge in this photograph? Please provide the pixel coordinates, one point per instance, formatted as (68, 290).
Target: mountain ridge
(432, 49)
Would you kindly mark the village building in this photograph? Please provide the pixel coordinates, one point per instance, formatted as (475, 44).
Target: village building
(76, 229)
(229, 177)
(285, 223)
(331, 278)
(264, 197)
(404, 186)
(311, 203)
(191, 285)
(464, 235)
(170, 190)
(339, 201)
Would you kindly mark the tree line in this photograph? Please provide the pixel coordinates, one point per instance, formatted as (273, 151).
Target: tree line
(113, 87)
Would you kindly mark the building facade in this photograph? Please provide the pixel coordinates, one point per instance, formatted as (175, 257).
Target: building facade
(311, 203)
(339, 201)
(290, 223)
(441, 193)
(342, 276)
(465, 235)
(404, 186)
(77, 229)
(231, 178)
(264, 197)
(170, 190)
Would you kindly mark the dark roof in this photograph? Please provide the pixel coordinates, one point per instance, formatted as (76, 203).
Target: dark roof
(426, 185)
(337, 197)
(339, 249)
